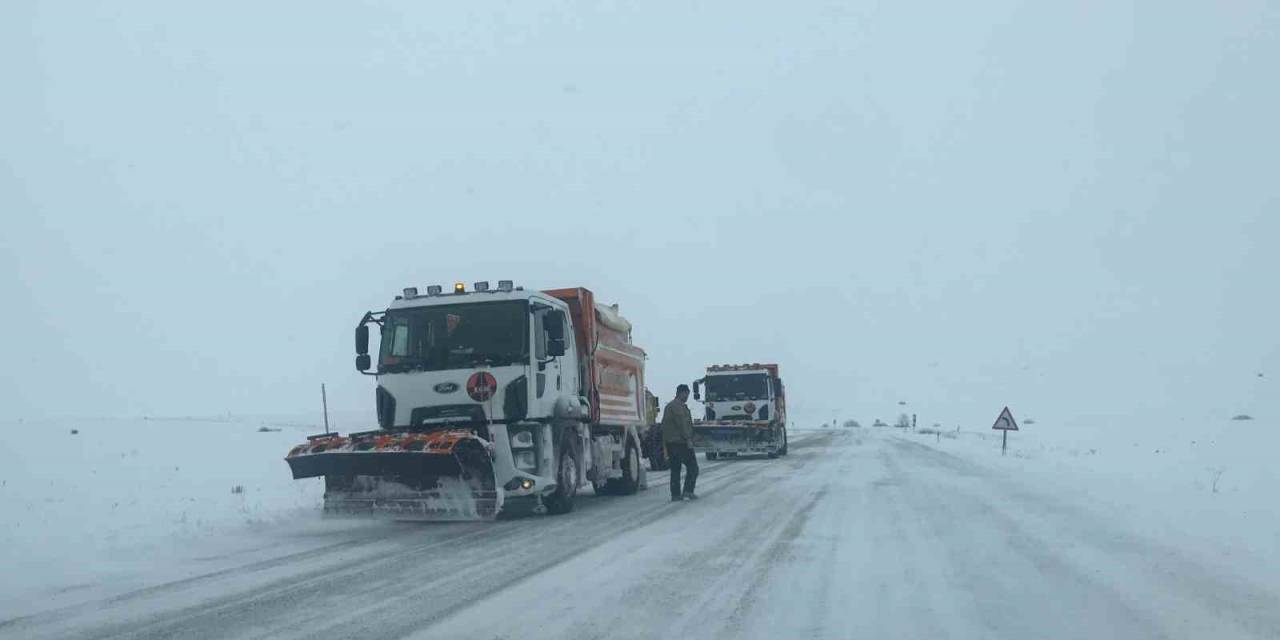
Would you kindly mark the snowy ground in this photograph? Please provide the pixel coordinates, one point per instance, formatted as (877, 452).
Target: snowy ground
(858, 533)
(121, 503)
(1207, 480)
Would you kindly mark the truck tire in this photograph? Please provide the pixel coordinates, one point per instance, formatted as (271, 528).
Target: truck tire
(658, 461)
(561, 501)
(655, 452)
(711, 455)
(629, 483)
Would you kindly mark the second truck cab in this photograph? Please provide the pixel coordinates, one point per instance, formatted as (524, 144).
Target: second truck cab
(740, 392)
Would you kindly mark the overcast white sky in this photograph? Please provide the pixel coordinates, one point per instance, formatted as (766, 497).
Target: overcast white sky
(1067, 207)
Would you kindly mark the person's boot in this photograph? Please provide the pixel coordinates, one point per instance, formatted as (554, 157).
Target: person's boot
(677, 498)
(690, 496)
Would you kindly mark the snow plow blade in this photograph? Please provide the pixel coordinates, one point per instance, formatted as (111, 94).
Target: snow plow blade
(736, 438)
(441, 475)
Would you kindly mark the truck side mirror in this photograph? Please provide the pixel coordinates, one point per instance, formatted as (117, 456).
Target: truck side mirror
(362, 341)
(363, 362)
(554, 323)
(697, 389)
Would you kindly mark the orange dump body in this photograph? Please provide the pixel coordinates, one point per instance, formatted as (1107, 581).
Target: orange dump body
(614, 367)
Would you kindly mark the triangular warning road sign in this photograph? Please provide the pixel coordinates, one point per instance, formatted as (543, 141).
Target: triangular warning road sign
(1005, 422)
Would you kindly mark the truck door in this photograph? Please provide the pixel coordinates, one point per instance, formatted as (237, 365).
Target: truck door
(549, 331)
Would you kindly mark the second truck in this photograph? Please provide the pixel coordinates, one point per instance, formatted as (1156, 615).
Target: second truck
(745, 411)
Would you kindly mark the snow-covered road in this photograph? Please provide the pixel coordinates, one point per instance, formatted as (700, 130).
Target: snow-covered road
(856, 534)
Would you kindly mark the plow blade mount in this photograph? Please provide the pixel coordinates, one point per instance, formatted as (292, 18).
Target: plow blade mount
(443, 475)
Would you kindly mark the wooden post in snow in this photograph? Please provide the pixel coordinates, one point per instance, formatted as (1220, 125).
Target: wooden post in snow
(324, 401)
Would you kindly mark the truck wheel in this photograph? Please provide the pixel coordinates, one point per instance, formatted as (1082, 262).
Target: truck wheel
(658, 461)
(711, 455)
(561, 501)
(657, 456)
(629, 483)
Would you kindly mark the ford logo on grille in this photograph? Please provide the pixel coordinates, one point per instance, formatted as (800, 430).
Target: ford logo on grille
(446, 387)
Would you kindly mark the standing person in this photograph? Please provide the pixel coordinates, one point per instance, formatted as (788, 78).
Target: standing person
(677, 434)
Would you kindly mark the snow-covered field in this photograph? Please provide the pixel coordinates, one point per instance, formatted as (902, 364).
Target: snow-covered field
(1094, 528)
(1205, 480)
(125, 502)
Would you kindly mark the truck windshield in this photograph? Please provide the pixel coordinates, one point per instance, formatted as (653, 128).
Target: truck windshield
(454, 336)
(748, 386)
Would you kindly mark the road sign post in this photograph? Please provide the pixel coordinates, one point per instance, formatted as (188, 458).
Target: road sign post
(1005, 423)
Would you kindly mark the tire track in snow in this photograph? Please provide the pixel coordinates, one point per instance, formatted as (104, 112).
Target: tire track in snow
(638, 585)
(285, 593)
(626, 521)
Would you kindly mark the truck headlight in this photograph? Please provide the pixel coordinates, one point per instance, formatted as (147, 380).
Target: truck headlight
(522, 440)
(526, 460)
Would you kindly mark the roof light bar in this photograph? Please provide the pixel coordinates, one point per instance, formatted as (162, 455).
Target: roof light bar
(482, 286)
(410, 293)
(505, 285)
(434, 290)
(458, 287)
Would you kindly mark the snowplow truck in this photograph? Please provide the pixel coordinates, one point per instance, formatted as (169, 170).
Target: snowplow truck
(489, 402)
(744, 411)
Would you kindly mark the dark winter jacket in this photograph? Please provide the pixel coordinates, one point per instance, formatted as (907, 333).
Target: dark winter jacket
(677, 423)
